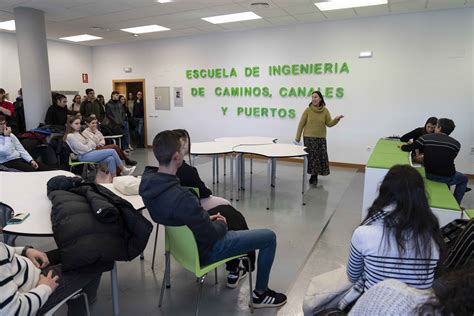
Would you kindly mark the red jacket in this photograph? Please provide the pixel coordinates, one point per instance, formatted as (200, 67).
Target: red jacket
(7, 105)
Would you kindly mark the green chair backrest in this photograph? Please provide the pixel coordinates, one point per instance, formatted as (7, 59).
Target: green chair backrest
(180, 242)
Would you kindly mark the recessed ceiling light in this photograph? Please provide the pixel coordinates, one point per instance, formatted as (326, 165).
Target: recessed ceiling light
(8, 25)
(164, 1)
(243, 16)
(145, 29)
(81, 38)
(346, 4)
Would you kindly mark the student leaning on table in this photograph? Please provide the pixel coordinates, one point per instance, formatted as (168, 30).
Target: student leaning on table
(313, 124)
(32, 282)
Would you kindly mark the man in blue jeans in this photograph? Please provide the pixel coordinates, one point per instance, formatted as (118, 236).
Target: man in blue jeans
(173, 205)
(439, 151)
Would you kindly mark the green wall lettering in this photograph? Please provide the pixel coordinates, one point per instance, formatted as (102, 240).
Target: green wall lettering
(224, 109)
(195, 92)
(339, 92)
(252, 71)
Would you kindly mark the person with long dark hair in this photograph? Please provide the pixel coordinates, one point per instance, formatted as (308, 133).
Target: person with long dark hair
(440, 150)
(313, 125)
(429, 128)
(85, 149)
(451, 294)
(399, 239)
(76, 105)
(189, 177)
(412, 136)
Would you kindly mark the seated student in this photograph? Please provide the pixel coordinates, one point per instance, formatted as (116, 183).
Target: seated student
(440, 150)
(85, 149)
(418, 132)
(171, 204)
(12, 153)
(451, 295)
(33, 283)
(399, 239)
(96, 136)
(461, 250)
(189, 177)
(58, 112)
(6, 107)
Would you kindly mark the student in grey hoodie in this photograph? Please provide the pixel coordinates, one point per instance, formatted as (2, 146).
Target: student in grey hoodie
(171, 204)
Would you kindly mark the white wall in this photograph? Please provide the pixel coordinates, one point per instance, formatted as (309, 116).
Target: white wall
(422, 66)
(67, 62)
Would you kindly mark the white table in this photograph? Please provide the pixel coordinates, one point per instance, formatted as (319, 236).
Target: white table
(245, 140)
(272, 152)
(27, 192)
(213, 149)
(135, 200)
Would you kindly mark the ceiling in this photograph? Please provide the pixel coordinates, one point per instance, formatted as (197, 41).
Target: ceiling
(105, 18)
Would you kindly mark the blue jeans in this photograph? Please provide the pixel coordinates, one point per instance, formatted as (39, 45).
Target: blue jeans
(126, 135)
(140, 140)
(244, 241)
(106, 156)
(458, 179)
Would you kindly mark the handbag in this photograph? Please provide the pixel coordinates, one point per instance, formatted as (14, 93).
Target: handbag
(103, 177)
(127, 185)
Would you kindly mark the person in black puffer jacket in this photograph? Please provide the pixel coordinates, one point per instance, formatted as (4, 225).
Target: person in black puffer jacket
(93, 227)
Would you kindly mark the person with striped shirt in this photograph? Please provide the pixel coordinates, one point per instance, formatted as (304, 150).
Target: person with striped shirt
(399, 239)
(440, 150)
(31, 283)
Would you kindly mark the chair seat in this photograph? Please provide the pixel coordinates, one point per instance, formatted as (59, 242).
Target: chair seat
(205, 269)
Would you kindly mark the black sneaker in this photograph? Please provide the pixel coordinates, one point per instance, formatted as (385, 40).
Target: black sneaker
(467, 189)
(233, 278)
(268, 299)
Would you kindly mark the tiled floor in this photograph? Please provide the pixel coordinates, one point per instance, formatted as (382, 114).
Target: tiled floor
(312, 239)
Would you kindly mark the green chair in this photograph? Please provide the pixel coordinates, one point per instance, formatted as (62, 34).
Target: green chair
(196, 190)
(180, 242)
(74, 163)
(470, 213)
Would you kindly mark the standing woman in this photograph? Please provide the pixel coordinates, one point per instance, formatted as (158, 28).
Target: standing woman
(76, 105)
(313, 124)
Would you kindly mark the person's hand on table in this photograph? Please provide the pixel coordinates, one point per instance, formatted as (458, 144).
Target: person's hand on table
(34, 164)
(49, 280)
(39, 258)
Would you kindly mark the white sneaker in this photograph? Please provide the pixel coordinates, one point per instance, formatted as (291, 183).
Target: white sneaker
(128, 171)
(130, 148)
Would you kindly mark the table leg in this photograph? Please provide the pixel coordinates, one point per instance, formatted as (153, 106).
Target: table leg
(217, 168)
(213, 169)
(231, 177)
(251, 164)
(274, 162)
(305, 172)
(269, 181)
(242, 171)
(238, 168)
(115, 298)
(224, 157)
